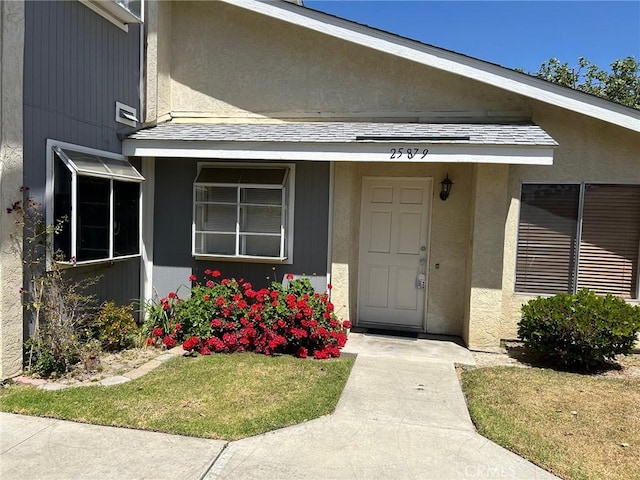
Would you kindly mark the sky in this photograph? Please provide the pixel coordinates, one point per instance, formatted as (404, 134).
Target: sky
(514, 34)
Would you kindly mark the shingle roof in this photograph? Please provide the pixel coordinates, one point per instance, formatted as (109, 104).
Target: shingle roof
(349, 132)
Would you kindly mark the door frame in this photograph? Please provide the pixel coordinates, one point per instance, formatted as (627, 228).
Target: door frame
(358, 322)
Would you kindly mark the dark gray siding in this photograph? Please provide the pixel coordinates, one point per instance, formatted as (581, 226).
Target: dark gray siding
(172, 224)
(124, 286)
(173, 207)
(77, 65)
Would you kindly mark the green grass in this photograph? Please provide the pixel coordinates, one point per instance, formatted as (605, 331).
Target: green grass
(577, 426)
(218, 396)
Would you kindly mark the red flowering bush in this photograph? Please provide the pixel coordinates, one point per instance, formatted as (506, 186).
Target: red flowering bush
(161, 326)
(228, 315)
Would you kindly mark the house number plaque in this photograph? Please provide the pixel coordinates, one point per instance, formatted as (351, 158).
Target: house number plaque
(399, 152)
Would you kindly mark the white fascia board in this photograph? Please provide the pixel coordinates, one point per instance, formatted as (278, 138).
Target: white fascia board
(333, 152)
(448, 61)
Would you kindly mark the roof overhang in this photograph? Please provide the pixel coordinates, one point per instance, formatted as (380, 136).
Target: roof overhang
(347, 142)
(420, 152)
(448, 61)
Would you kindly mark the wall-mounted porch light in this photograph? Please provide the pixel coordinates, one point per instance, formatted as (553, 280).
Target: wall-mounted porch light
(446, 188)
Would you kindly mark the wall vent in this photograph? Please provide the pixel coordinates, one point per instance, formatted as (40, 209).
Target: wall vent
(126, 115)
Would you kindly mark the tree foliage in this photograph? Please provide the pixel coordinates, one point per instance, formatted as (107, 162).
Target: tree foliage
(621, 84)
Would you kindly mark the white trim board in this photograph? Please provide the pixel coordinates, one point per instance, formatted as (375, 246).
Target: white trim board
(448, 61)
(361, 152)
(147, 192)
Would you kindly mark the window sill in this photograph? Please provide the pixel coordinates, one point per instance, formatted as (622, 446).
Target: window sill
(100, 261)
(245, 259)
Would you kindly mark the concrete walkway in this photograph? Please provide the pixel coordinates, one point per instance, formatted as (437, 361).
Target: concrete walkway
(402, 415)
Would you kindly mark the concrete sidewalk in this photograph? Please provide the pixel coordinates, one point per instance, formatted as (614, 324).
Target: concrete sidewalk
(402, 415)
(42, 448)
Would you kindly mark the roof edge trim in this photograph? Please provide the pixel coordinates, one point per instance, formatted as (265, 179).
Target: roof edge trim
(341, 152)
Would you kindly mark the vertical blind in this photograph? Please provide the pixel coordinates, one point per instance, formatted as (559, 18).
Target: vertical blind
(545, 260)
(608, 260)
(553, 225)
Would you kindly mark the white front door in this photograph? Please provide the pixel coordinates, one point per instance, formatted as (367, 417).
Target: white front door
(394, 234)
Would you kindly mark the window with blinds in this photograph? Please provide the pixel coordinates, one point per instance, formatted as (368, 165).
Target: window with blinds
(547, 238)
(610, 239)
(242, 212)
(573, 236)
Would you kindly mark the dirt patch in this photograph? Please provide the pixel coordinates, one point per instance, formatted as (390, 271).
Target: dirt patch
(107, 365)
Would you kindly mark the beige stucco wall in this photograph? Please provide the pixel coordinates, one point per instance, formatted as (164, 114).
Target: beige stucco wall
(485, 256)
(11, 67)
(589, 151)
(158, 29)
(447, 245)
(227, 62)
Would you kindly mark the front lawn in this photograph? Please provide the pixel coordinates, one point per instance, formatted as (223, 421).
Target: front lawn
(217, 396)
(576, 426)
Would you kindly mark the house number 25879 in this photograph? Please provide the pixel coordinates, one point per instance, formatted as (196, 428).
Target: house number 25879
(407, 152)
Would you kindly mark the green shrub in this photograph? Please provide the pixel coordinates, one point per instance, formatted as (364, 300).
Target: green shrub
(582, 331)
(115, 326)
(42, 361)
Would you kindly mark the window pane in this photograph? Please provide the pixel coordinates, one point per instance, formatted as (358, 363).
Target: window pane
(260, 176)
(262, 196)
(86, 163)
(122, 168)
(216, 218)
(260, 246)
(264, 176)
(215, 244)
(219, 175)
(217, 194)
(547, 236)
(62, 208)
(93, 218)
(610, 239)
(126, 226)
(260, 219)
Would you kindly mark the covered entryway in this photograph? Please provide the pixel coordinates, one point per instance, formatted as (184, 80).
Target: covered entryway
(394, 249)
(373, 264)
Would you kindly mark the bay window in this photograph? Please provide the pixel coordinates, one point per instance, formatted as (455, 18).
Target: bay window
(97, 195)
(243, 212)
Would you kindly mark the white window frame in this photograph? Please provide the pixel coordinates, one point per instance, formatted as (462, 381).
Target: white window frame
(636, 297)
(287, 237)
(52, 147)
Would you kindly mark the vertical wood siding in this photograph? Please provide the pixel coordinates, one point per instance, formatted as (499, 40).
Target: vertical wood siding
(76, 66)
